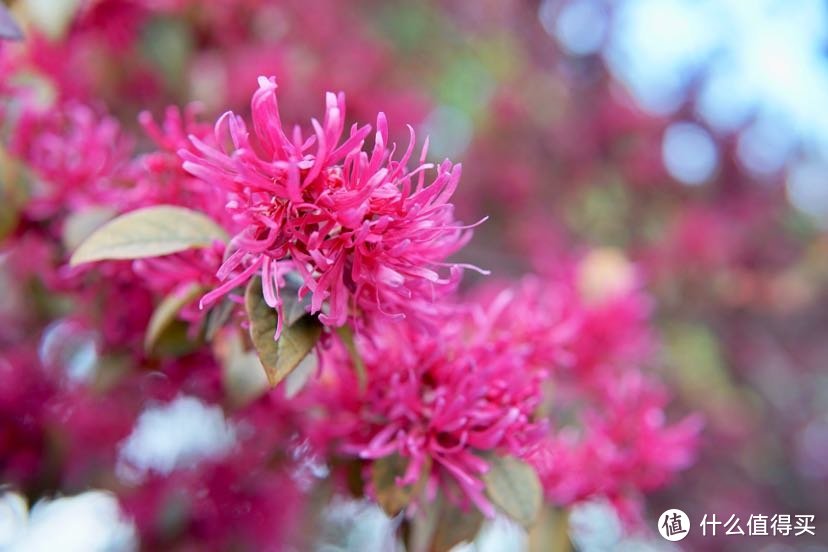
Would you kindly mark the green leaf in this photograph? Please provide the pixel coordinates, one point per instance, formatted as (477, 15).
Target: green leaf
(295, 343)
(79, 225)
(514, 487)
(279, 358)
(149, 232)
(346, 334)
(14, 191)
(168, 43)
(175, 341)
(392, 497)
(167, 311)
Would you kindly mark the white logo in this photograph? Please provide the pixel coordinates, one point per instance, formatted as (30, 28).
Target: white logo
(673, 525)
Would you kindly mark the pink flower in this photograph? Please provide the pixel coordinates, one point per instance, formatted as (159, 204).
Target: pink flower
(610, 435)
(582, 338)
(625, 446)
(159, 179)
(442, 399)
(364, 233)
(79, 157)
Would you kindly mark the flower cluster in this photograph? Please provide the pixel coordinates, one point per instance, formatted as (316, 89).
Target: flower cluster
(444, 402)
(624, 448)
(78, 157)
(136, 367)
(441, 400)
(364, 232)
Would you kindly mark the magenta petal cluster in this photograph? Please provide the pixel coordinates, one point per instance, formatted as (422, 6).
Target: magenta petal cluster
(399, 385)
(365, 233)
(79, 157)
(479, 385)
(625, 446)
(443, 399)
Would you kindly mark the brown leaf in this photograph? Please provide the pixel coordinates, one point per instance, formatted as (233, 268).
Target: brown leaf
(392, 497)
(167, 311)
(440, 526)
(149, 232)
(455, 526)
(279, 358)
(514, 487)
(353, 477)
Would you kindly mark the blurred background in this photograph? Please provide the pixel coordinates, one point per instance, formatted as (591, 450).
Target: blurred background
(689, 136)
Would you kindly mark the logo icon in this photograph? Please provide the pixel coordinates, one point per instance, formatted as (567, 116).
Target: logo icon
(674, 525)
